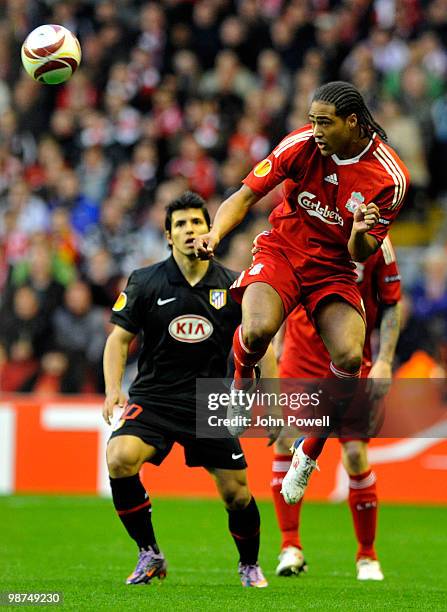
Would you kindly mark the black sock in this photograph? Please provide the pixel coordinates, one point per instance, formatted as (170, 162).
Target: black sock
(245, 526)
(134, 509)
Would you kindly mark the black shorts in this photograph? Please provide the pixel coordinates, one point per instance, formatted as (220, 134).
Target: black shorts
(161, 426)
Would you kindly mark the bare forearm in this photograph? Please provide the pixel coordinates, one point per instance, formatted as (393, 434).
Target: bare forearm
(233, 211)
(361, 246)
(114, 363)
(389, 333)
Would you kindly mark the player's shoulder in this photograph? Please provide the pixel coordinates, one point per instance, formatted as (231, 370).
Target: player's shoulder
(294, 141)
(389, 161)
(148, 272)
(148, 275)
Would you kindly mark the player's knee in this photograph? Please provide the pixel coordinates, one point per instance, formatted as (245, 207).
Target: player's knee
(258, 333)
(355, 458)
(121, 463)
(236, 498)
(349, 359)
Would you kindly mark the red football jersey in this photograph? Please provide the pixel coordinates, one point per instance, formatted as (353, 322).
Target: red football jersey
(304, 355)
(320, 195)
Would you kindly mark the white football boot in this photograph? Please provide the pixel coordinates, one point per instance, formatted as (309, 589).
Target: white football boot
(369, 569)
(291, 562)
(296, 480)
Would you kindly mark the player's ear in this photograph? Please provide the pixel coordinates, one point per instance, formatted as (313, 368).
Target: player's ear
(168, 237)
(352, 121)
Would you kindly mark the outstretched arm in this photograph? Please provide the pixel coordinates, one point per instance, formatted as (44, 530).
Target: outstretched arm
(231, 212)
(114, 363)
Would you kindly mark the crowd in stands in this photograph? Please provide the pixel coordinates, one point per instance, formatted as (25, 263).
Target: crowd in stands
(183, 94)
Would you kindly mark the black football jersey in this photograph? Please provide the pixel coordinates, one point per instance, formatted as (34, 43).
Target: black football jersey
(187, 331)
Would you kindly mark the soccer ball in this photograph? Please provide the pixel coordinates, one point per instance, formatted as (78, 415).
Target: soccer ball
(50, 54)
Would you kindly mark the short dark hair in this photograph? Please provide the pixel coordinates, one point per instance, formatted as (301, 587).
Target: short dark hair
(189, 199)
(347, 99)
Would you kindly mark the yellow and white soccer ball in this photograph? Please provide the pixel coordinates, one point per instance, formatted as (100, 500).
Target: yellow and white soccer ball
(51, 54)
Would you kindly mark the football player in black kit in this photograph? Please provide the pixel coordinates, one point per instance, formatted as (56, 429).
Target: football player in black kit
(188, 319)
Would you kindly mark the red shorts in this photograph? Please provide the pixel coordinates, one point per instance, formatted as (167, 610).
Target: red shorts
(272, 266)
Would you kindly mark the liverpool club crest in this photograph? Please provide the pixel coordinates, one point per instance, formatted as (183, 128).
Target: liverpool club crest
(354, 201)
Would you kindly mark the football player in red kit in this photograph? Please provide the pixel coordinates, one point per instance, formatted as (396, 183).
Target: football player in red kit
(304, 356)
(343, 187)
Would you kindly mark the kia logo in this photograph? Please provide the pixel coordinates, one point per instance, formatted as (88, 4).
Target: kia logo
(190, 328)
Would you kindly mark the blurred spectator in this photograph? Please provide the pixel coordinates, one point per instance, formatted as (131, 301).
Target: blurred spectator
(389, 52)
(103, 277)
(271, 73)
(79, 335)
(205, 30)
(201, 118)
(20, 143)
(144, 77)
(438, 157)
(248, 141)
(24, 336)
(116, 234)
(94, 172)
(10, 168)
(125, 121)
(78, 95)
(42, 176)
(145, 165)
(166, 113)
(405, 135)
(45, 272)
(32, 215)
(126, 189)
(63, 238)
(84, 212)
(193, 164)
(417, 348)
(152, 36)
(228, 77)
(187, 70)
(429, 294)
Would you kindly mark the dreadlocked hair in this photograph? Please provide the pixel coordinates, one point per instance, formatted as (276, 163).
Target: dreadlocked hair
(347, 99)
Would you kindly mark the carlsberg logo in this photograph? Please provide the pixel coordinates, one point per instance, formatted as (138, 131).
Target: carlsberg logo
(314, 208)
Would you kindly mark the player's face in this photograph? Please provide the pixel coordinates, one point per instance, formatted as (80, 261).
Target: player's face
(333, 134)
(186, 225)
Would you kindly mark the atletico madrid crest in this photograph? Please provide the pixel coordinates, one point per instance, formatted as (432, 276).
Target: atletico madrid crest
(218, 298)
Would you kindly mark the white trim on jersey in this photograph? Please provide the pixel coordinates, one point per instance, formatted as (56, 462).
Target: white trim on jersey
(238, 281)
(356, 159)
(291, 141)
(391, 166)
(387, 250)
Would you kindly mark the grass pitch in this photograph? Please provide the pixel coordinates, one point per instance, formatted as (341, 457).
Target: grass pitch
(76, 545)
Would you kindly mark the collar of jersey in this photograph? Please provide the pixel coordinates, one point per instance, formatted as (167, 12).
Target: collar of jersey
(176, 277)
(356, 159)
